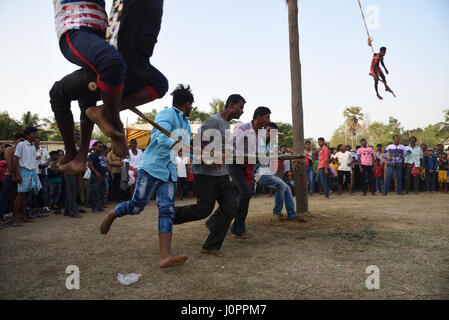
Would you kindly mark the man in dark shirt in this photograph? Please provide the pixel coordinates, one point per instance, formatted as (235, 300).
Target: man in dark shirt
(97, 164)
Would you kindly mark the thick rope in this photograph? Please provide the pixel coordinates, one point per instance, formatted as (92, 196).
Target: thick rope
(370, 40)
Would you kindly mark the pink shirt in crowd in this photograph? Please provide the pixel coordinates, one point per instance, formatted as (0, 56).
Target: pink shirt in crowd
(366, 156)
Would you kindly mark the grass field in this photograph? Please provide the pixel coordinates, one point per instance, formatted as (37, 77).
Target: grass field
(406, 237)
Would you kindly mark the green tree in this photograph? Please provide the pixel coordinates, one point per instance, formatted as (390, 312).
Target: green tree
(285, 134)
(8, 126)
(150, 115)
(339, 136)
(30, 120)
(379, 132)
(198, 115)
(216, 106)
(353, 115)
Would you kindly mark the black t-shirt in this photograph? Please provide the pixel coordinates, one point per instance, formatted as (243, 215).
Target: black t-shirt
(99, 162)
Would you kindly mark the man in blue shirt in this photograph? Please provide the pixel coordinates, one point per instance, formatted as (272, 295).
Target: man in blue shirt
(157, 173)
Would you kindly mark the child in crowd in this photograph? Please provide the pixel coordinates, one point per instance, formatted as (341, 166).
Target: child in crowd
(442, 172)
(430, 164)
(54, 182)
(379, 175)
(334, 174)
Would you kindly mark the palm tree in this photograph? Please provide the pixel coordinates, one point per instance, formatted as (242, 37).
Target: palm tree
(302, 205)
(353, 116)
(217, 106)
(30, 120)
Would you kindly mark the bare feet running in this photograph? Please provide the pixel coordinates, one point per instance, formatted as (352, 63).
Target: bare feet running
(107, 222)
(172, 261)
(380, 97)
(217, 253)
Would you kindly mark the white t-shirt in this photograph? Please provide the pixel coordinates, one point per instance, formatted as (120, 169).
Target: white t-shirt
(26, 152)
(181, 166)
(134, 160)
(43, 153)
(344, 158)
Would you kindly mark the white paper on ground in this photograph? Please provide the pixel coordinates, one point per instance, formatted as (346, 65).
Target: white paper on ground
(128, 279)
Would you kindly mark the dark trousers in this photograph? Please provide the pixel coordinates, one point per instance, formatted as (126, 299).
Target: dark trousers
(430, 181)
(43, 193)
(367, 178)
(211, 189)
(116, 192)
(97, 190)
(71, 193)
(237, 173)
(7, 189)
(409, 179)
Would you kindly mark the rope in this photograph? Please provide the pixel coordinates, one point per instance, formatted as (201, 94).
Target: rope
(370, 40)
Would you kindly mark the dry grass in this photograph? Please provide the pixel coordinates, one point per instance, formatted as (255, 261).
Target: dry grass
(406, 237)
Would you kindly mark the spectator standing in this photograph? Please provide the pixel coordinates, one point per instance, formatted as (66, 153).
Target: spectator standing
(379, 175)
(443, 167)
(366, 162)
(412, 162)
(344, 159)
(430, 164)
(98, 167)
(135, 157)
(395, 159)
(323, 165)
(9, 186)
(182, 174)
(54, 182)
(43, 159)
(115, 165)
(310, 157)
(25, 174)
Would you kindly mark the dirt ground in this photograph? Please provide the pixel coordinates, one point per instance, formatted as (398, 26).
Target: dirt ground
(406, 237)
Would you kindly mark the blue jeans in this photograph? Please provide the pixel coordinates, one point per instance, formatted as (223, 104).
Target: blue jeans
(146, 185)
(322, 180)
(391, 169)
(282, 194)
(309, 174)
(379, 183)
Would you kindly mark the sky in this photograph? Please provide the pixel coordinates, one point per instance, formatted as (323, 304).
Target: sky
(241, 46)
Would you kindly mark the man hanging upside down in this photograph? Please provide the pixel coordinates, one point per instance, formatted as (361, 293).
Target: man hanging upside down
(376, 71)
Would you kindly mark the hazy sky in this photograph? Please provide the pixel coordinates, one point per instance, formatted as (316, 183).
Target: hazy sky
(241, 46)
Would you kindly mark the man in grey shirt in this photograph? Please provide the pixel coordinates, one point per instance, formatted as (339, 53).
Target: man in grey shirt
(213, 184)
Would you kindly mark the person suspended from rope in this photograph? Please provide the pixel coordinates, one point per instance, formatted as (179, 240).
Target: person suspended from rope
(376, 71)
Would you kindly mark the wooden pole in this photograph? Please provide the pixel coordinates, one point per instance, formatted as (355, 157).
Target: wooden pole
(302, 205)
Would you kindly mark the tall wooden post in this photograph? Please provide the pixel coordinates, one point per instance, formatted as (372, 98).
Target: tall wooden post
(302, 205)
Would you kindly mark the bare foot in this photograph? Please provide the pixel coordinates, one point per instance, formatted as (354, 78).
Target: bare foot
(96, 114)
(76, 216)
(379, 96)
(66, 158)
(15, 224)
(107, 222)
(75, 166)
(25, 220)
(244, 236)
(217, 253)
(119, 147)
(172, 261)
